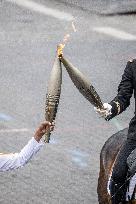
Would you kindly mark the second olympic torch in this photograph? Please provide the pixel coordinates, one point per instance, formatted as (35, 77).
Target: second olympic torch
(81, 82)
(53, 94)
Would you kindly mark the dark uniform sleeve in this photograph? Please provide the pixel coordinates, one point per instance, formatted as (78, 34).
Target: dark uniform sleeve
(125, 91)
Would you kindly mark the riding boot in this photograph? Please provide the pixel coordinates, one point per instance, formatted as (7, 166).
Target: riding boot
(117, 193)
(119, 173)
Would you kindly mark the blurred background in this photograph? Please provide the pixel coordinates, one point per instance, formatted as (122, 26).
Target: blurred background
(100, 38)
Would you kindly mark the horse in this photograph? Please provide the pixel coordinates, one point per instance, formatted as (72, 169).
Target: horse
(108, 155)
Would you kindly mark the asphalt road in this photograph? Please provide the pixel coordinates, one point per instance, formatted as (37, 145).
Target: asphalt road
(66, 170)
(104, 7)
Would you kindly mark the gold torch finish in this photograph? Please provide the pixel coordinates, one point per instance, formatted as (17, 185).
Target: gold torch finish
(53, 94)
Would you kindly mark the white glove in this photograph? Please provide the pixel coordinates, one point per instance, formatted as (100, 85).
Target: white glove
(104, 112)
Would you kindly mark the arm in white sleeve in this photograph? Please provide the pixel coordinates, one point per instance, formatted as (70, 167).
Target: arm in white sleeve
(14, 161)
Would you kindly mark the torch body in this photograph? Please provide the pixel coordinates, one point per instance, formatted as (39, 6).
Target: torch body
(82, 83)
(53, 94)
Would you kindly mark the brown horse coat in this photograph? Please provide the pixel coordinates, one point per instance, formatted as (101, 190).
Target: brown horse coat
(107, 157)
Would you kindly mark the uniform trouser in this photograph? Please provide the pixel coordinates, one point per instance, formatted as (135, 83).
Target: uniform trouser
(120, 171)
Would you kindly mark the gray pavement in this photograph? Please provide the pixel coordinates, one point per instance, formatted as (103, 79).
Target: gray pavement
(105, 7)
(66, 170)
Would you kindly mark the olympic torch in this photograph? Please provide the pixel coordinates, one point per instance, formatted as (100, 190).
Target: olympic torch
(81, 81)
(53, 94)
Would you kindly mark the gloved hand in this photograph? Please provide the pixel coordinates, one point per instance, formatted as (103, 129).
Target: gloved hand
(104, 112)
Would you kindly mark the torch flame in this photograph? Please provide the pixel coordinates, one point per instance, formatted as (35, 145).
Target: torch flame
(61, 46)
(60, 50)
(74, 27)
(66, 38)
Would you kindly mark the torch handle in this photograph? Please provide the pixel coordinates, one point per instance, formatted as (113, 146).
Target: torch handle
(47, 136)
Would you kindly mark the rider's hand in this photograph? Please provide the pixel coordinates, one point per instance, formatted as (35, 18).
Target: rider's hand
(105, 112)
(41, 130)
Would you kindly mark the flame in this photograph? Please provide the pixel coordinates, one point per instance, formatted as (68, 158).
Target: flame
(66, 38)
(61, 46)
(74, 27)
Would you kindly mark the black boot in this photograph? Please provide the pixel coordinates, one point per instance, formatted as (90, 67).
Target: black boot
(118, 193)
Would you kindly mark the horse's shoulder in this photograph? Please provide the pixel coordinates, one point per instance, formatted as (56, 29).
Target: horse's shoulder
(112, 146)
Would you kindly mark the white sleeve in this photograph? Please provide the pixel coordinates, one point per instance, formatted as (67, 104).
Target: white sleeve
(14, 161)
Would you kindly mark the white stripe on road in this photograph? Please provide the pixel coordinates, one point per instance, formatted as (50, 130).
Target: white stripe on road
(43, 9)
(115, 33)
(14, 130)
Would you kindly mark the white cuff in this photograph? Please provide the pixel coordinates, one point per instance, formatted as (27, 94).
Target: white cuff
(36, 145)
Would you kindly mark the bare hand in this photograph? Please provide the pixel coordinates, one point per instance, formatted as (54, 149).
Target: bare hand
(41, 130)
